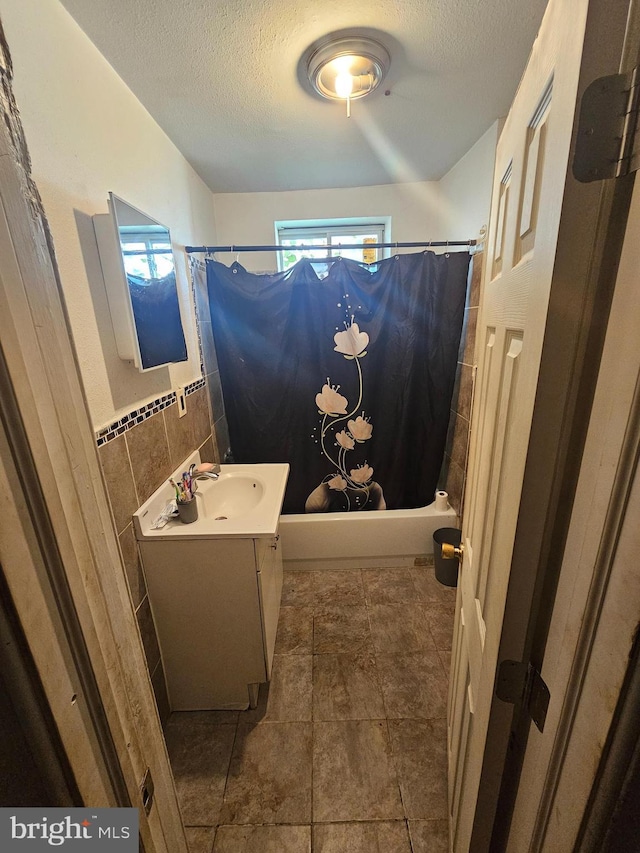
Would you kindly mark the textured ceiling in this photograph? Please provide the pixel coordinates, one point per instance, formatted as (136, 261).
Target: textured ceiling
(221, 78)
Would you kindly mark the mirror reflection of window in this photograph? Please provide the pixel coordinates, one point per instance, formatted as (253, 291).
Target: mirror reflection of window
(146, 257)
(150, 272)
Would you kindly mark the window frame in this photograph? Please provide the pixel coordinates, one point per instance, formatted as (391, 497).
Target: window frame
(314, 232)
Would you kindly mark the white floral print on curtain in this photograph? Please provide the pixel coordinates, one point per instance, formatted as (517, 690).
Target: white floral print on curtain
(355, 486)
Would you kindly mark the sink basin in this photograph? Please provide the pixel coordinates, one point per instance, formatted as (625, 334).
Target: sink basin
(244, 502)
(230, 496)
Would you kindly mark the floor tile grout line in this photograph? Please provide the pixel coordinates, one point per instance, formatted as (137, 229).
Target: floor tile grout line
(375, 654)
(411, 848)
(384, 705)
(226, 781)
(368, 603)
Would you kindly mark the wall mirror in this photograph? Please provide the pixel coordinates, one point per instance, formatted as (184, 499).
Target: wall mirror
(140, 278)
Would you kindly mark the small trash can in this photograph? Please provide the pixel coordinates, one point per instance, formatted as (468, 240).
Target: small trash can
(446, 570)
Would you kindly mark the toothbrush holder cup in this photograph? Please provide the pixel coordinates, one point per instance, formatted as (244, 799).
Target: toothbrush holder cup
(188, 510)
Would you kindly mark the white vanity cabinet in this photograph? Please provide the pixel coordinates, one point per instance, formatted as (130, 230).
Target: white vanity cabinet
(215, 603)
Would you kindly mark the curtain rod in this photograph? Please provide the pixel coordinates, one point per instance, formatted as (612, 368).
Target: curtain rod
(210, 250)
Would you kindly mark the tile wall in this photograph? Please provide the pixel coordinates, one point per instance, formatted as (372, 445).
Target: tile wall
(209, 360)
(140, 451)
(454, 466)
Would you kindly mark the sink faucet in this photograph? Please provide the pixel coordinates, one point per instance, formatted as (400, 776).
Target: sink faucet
(207, 471)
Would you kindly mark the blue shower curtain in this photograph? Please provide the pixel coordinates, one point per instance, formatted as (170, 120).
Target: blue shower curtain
(348, 378)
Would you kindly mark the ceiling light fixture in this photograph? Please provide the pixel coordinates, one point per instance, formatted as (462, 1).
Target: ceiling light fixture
(344, 69)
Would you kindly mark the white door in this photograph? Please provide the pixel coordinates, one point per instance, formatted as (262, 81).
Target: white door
(531, 164)
(598, 599)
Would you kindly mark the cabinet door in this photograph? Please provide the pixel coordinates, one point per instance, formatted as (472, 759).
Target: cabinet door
(204, 599)
(269, 561)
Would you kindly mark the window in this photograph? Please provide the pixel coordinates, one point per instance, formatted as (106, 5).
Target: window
(336, 237)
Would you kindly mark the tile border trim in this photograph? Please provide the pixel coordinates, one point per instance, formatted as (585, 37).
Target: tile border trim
(137, 416)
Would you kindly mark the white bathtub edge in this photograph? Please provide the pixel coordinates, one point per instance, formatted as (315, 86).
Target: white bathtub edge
(361, 540)
(348, 563)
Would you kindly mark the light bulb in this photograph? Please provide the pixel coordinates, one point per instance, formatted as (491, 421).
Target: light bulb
(344, 84)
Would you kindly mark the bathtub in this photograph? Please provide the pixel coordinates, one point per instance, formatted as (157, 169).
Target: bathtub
(342, 540)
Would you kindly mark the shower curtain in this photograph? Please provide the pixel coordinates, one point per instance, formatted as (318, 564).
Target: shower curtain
(348, 378)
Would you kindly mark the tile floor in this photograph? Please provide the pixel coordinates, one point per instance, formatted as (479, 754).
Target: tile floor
(346, 751)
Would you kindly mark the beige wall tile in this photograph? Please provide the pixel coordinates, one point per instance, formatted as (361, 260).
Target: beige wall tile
(179, 433)
(455, 483)
(159, 684)
(202, 295)
(476, 275)
(465, 385)
(460, 441)
(149, 452)
(132, 565)
(198, 406)
(450, 430)
(222, 436)
(215, 393)
(148, 634)
(119, 480)
(470, 339)
(209, 451)
(208, 348)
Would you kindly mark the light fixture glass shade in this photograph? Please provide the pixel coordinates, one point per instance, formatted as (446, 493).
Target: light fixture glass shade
(347, 68)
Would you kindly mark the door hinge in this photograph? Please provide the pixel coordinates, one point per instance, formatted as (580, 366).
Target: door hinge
(607, 144)
(519, 682)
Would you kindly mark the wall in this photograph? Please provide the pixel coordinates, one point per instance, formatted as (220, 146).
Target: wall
(210, 361)
(467, 187)
(134, 465)
(454, 208)
(87, 134)
(454, 465)
(416, 210)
